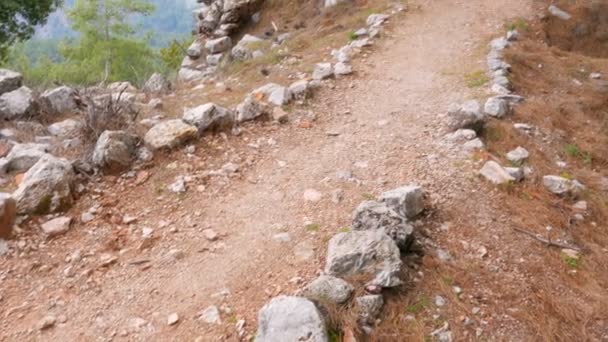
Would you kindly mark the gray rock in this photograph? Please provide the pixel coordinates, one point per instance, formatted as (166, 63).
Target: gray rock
(9, 81)
(57, 226)
(516, 172)
(195, 50)
(8, 213)
(332, 3)
(218, 45)
(66, 129)
(60, 100)
(467, 115)
(22, 157)
(169, 134)
(209, 117)
(377, 19)
(157, 83)
(290, 319)
(462, 135)
(518, 155)
(251, 109)
(211, 315)
(559, 13)
(343, 55)
(191, 75)
(46, 187)
(512, 35)
(122, 87)
(499, 44)
(16, 104)
(473, 145)
(503, 82)
(408, 200)
(245, 47)
(342, 69)
(114, 151)
(496, 107)
(372, 215)
(328, 288)
(274, 93)
(365, 252)
(214, 59)
(369, 308)
(300, 90)
(495, 173)
(322, 71)
(562, 186)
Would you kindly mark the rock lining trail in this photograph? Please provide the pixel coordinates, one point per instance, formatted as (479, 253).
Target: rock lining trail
(385, 126)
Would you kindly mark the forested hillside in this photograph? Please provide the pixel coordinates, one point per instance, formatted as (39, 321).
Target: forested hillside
(171, 19)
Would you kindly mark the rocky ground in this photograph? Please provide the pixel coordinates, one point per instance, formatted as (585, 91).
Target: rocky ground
(191, 244)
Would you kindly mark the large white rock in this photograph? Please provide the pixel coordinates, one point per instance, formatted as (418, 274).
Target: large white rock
(300, 90)
(274, 93)
(518, 155)
(322, 71)
(46, 187)
(190, 75)
(562, 186)
(251, 109)
(373, 215)
(290, 319)
(60, 100)
(66, 129)
(9, 81)
(328, 288)
(209, 117)
(245, 47)
(406, 200)
(496, 107)
(170, 134)
(114, 151)
(467, 115)
(376, 19)
(16, 104)
(495, 173)
(370, 252)
(22, 157)
(195, 50)
(218, 45)
(157, 83)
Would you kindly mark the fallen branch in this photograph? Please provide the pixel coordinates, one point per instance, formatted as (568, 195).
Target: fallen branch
(546, 241)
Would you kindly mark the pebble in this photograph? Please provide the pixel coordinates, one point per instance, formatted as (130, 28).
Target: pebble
(210, 234)
(172, 319)
(440, 301)
(56, 226)
(312, 195)
(210, 315)
(47, 322)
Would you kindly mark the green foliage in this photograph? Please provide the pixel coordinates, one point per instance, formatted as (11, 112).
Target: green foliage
(313, 227)
(476, 79)
(519, 24)
(352, 36)
(572, 262)
(419, 305)
(173, 54)
(18, 19)
(574, 151)
(107, 47)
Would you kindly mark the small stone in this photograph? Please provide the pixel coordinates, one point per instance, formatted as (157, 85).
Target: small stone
(172, 319)
(47, 322)
(518, 155)
(210, 234)
(322, 71)
(282, 237)
(496, 107)
(495, 173)
(210, 315)
(571, 253)
(440, 301)
(311, 195)
(580, 206)
(179, 186)
(56, 226)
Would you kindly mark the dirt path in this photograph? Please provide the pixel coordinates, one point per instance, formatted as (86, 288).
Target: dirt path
(389, 122)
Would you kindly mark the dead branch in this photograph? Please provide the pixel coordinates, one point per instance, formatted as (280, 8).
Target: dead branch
(548, 242)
